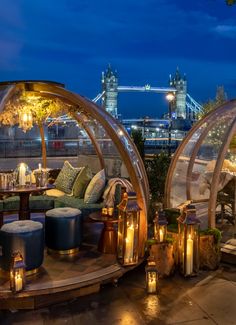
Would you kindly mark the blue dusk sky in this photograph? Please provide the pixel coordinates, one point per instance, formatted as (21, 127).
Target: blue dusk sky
(72, 41)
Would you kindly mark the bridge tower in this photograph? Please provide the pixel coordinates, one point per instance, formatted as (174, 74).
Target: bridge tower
(110, 91)
(180, 83)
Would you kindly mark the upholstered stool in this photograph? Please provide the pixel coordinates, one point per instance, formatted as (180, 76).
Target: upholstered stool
(25, 236)
(63, 230)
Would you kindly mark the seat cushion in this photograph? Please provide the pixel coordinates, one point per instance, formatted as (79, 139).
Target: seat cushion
(66, 178)
(66, 212)
(38, 202)
(41, 202)
(69, 201)
(22, 226)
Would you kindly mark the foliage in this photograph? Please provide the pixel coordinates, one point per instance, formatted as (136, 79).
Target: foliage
(221, 97)
(139, 141)
(157, 169)
(230, 2)
(213, 231)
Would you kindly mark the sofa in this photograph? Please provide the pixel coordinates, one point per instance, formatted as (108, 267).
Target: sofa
(71, 190)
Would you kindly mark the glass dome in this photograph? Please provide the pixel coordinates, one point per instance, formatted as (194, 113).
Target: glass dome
(102, 138)
(205, 162)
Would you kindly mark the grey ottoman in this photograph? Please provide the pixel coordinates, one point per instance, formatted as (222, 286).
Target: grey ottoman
(25, 236)
(63, 230)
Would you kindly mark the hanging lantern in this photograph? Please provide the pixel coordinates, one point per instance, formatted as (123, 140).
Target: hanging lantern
(151, 275)
(188, 226)
(160, 226)
(17, 273)
(25, 120)
(128, 229)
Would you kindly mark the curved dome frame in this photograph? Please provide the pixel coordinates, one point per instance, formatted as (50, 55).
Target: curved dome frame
(120, 138)
(188, 154)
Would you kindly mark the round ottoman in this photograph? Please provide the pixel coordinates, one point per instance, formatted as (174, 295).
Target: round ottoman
(25, 236)
(63, 230)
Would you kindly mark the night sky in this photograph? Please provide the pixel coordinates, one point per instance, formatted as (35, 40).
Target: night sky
(72, 41)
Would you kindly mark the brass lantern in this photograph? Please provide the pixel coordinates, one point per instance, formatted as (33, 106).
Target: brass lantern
(17, 272)
(25, 120)
(160, 226)
(128, 229)
(151, 275)
(188, 226)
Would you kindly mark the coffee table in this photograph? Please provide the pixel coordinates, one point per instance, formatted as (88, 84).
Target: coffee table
(108, 239)
(24, 193)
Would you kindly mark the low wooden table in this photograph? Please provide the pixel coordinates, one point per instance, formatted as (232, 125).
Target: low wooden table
(24, 193)
(108, 240)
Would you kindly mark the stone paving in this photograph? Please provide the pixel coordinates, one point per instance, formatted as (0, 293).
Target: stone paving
(209, 298)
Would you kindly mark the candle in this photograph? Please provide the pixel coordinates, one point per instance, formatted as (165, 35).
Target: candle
(18, 282)
(129, 247)
(189, 259)
(152, 285)
(22, 171)
(40, 166)
(161, 235)
(110, 211)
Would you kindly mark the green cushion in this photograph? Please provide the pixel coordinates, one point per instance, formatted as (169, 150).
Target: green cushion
(38, 202)
(11, 203)
(70, 201)
(95, 188)
(81, 182)
(41, 202)
(66, 178)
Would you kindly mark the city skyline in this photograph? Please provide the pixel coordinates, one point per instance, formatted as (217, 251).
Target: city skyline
(73, 42)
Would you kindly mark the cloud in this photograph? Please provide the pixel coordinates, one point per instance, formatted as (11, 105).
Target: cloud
(228, 31)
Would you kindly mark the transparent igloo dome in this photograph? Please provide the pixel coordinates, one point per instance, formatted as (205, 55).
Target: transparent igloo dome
(204, 164)
(102, 140)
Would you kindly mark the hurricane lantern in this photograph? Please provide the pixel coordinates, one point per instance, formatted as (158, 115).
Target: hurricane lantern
(160, 226)
(17, 272)
(151, 276)
(128, 229)
(25, 120)
(23, 174)
(188, 229)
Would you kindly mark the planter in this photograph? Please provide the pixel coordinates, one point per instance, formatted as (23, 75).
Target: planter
(163, 254)
(209, 253)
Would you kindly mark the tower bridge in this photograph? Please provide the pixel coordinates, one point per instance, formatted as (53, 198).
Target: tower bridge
(183, 105)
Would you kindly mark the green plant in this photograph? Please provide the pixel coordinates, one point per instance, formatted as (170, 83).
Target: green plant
(157, 169)
(216, 233)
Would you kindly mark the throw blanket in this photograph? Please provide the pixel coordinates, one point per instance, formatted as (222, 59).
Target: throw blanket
(109, 193)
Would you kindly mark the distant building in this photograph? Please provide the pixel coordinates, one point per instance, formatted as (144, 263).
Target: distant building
(109, 88)
(179, 104)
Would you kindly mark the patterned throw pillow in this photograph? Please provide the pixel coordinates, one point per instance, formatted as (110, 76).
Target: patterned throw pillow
(66, 178)
(81, 182)
(95, 188)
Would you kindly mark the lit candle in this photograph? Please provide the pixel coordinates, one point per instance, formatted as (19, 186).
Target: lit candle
(18, 282)
(40, 166)
(189, 259)
(129, 247)
(161, 235)
(22, 171)
(152, 285)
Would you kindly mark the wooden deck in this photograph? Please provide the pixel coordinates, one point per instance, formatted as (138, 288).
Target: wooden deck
(63, 278)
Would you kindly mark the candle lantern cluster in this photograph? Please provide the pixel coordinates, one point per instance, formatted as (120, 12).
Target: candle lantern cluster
(151, 275)
(160, 226)
(17, 273)
(23, 175)
(128, 229)
(188, 229)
